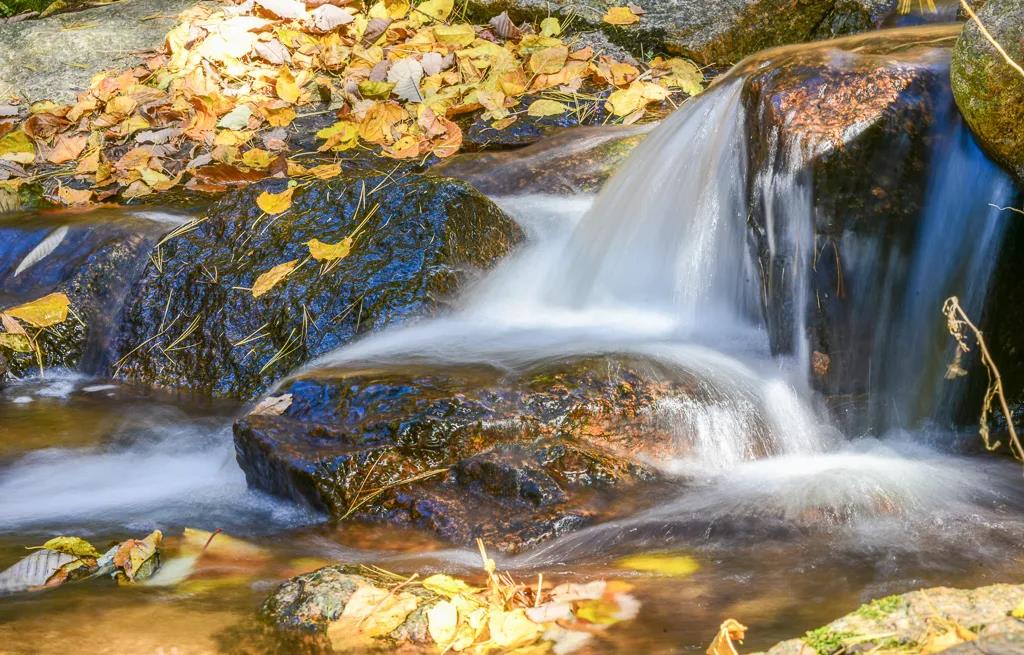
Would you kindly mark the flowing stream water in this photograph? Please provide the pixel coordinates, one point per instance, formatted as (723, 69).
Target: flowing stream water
(658, 264)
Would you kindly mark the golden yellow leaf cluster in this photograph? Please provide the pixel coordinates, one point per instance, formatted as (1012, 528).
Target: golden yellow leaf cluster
(395, 74)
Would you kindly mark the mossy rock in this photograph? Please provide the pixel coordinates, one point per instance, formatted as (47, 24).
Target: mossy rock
(988, 91)
(192, 322)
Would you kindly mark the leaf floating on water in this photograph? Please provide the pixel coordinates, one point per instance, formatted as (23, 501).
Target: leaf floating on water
(275, 203)
(42, 250)
(137, 559)
(44, 312)
(660, 563)
(70, 546)
(321, 251)
(33, 571)
(620, 16)
(271, 278)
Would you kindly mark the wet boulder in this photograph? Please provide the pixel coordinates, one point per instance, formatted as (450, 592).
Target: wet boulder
(93, 258)
(510, 456)
(193, 322)
(860, 234)
(569, 162)
(721, 32)
(988, 91)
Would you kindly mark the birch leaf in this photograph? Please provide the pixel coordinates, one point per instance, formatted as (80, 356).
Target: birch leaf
(620, 16)
(42, 250)
(321, 251)
(44, 312)
(267, 281)
(541, 108)
(275, 203)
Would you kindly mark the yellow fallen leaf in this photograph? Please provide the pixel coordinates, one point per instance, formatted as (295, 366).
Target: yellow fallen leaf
(512, 629)
(445, 585)
(549, 60)
(71, 546)
(540, 108)
(459, 34)
(257, 158)
(324, 171)
(17, 147)
(286, 87)
(550, 27)
(321, 251)
(17, 342)
(275, 203)
(268, 280)
(43, 312)
(396, 9)
(620, 16)
(375, 90)
(343, 135)
(438, 10)
(443, 622)
(685, 75)
(661, 563)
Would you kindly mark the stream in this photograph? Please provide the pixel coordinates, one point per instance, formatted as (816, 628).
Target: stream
(838, 510)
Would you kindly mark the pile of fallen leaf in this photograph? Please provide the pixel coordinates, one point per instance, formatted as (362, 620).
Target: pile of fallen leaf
(21, 325)
(212, 109)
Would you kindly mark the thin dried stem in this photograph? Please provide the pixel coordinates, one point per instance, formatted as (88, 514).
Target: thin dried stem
(956, 321)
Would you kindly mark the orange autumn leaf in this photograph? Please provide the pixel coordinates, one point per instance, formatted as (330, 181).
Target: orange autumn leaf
(270, 279)
(67, 148)
(70, 196)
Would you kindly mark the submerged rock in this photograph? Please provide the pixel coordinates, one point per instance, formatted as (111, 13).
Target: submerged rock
(719, 32)
(54, 58)
(93, 259)
(989, 92)
(512, 457)
(569, 162)
(192, 321)
(961, 621)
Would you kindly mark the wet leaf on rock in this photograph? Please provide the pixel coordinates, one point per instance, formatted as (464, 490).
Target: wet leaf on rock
(275, 203)
(272, 278)
(43, 312)
(620, 16)
(321, 251)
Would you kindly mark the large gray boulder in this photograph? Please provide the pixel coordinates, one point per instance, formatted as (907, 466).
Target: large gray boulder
(988, 91)
(709, 31)
(54, 58)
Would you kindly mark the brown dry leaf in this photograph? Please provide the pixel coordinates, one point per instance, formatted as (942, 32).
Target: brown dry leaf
(137, 558)
(273, 405)
(70, 196)
(10, 325)
(730, 631)
(620, 16)
(275, 203)
(268, 280)
(67, 148)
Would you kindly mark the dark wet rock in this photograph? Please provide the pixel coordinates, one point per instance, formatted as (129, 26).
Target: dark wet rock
(512, 457)
(568, 162)
(55, 57)
(94, 264)
(717, 32)
(309, 602)
(989, 92)
(905, 622)
(191, 321)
